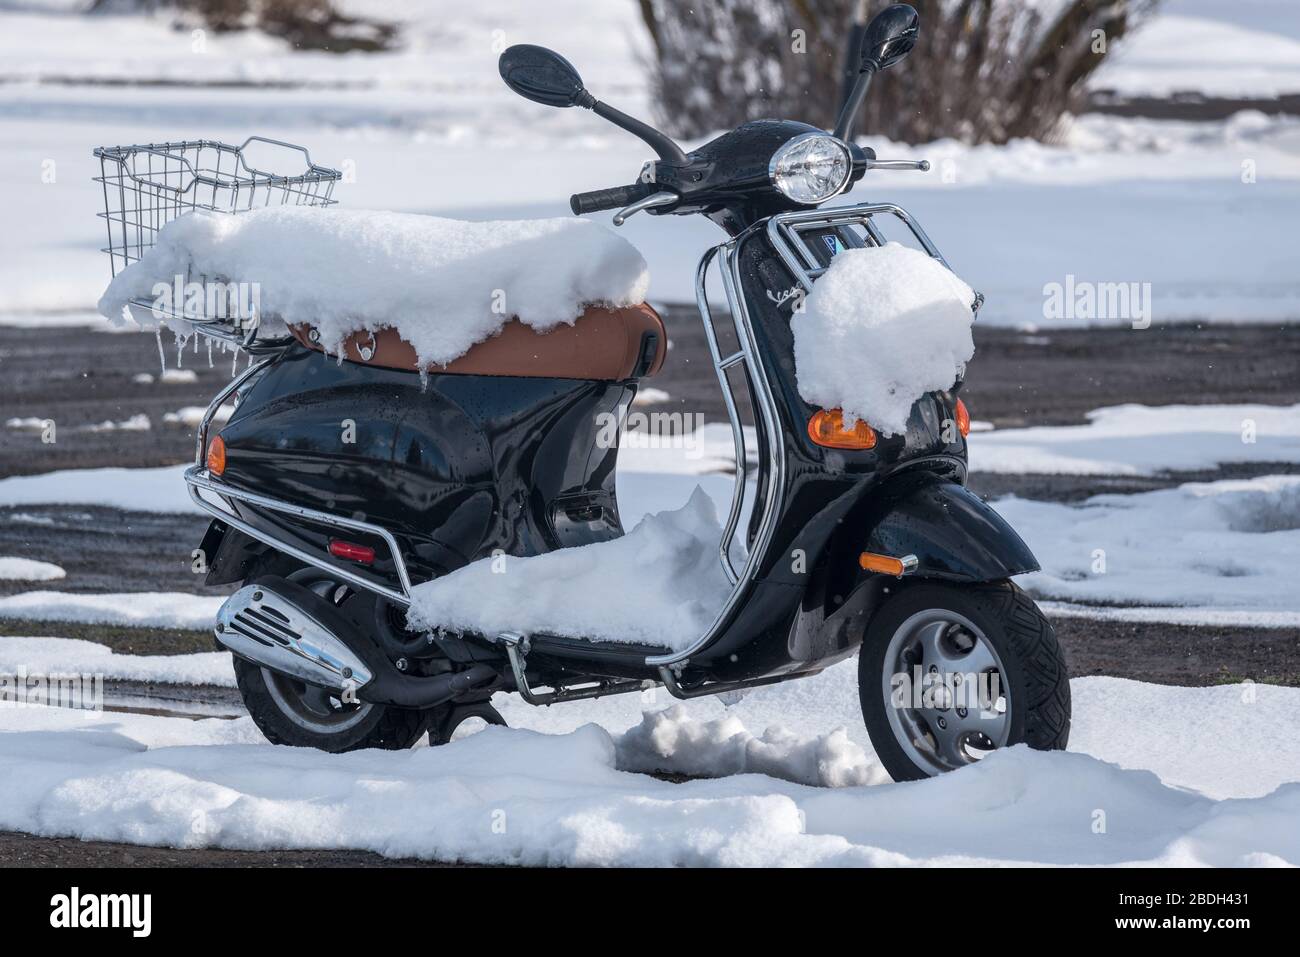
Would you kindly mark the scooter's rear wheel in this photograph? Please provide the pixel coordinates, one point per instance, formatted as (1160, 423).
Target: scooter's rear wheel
(292, 712)
(948, 673)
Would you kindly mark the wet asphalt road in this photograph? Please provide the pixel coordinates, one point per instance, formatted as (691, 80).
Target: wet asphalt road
(80, 378)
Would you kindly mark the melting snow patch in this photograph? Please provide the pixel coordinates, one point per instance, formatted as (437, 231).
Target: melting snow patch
(14, 569)
(660, 584)
(53, 656)
(142, 490)
(1144, 440)
(882, 327)
(161, 609)
(444, 284)
(136, 423)
(1227, 544)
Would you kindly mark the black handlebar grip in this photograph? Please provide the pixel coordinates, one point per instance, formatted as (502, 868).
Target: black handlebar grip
(615, 198)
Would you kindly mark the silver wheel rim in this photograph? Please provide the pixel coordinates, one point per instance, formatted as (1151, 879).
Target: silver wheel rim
(939, 719)
(311, 708)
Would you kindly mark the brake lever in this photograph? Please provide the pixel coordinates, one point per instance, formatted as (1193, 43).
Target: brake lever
(922, 165)
(662, 198)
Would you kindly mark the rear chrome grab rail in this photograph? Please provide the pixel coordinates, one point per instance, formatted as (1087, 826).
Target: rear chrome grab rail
(199, 479)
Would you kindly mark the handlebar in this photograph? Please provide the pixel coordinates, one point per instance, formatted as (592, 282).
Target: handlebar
(615, 198)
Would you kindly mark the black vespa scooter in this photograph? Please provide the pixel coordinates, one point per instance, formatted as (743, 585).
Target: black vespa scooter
(851, 540)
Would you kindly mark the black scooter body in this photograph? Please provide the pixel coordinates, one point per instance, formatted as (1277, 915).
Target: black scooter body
(456, 467)
(460, 466)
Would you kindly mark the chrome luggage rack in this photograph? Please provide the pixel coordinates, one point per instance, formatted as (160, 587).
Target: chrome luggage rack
(147, 186)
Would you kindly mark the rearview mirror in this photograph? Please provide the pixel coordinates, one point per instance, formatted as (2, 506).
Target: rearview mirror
(542, 75)
(889, 36)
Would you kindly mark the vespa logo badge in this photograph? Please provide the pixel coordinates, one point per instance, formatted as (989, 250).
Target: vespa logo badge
(793, 293)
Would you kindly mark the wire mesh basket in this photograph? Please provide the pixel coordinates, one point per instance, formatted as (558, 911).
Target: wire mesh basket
(147, 186)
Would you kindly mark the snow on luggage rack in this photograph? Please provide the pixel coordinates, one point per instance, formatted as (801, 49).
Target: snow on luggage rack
(146, 186)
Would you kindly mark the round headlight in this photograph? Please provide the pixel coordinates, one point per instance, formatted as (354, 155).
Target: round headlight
(810, 168)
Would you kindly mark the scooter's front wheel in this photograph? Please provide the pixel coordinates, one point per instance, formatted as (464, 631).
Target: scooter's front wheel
(948, 673)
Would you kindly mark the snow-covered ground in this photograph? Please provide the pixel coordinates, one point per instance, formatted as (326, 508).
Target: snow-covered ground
(1144, 440)
(58, 656)
(14, 568)
(1203, 212)
(1170, 776)
(1228, 544)
(155, 609)
(1229, 48)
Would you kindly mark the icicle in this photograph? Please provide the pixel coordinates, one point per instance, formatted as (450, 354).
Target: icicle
(162, 356)
(209, 353)
(234, 364)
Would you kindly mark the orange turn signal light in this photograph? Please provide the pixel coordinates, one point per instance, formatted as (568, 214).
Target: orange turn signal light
(887, 564)
(827, 428)
(963, 419)
(216, 456)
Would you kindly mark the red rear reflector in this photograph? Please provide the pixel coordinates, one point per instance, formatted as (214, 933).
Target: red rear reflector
(352, 551)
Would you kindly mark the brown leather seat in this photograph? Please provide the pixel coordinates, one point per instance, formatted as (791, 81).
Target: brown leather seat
(603, 343)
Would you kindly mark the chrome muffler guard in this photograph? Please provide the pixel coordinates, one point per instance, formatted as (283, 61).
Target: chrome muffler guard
(264, 627)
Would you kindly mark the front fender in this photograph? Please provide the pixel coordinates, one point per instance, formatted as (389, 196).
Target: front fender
(953, 533)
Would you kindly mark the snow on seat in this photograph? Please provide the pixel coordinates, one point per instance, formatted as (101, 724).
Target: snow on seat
(442, 284)
(660, 584)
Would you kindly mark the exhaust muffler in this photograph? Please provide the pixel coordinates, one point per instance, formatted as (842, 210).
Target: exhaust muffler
(289, 629)
(266, 628)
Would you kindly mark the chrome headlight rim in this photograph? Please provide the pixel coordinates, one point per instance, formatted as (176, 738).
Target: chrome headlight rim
(783, 151)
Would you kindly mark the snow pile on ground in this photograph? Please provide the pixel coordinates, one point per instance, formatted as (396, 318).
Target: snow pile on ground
(660, 584)
(1231, 544)
(61, 656)
(444, 284)
(882, 327)
(158, 609)
(1145, 440)
(14, 568)
(1212, 789)
(674, 741)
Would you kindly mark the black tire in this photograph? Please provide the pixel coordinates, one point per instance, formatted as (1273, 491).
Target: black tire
(382, 726)
(1035, 678)
(269, 699)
